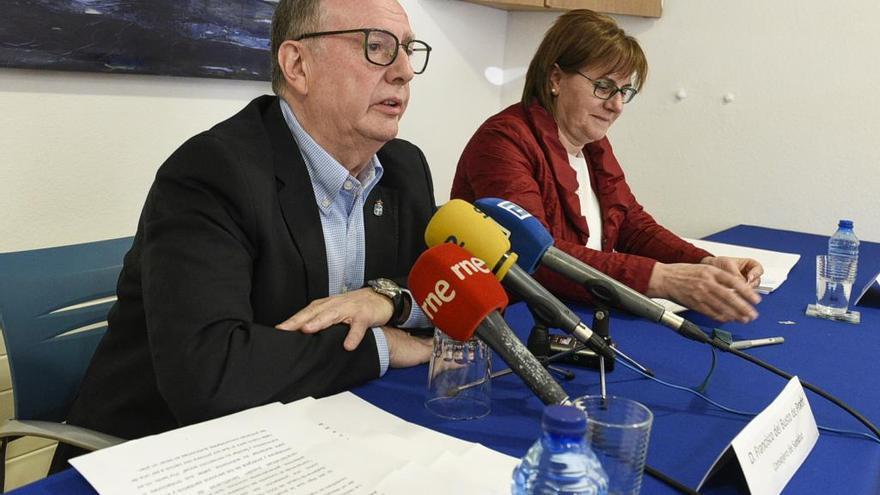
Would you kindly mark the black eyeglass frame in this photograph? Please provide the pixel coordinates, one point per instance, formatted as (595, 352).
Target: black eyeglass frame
(625, 91)
(366, 32)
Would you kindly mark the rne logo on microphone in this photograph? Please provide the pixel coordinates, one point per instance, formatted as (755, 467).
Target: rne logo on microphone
(469, 267)
(443, 291)
(514, 208)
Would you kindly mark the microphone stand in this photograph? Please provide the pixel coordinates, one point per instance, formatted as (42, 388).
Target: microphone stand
(538, 343)
(601, 326)
(601, 322)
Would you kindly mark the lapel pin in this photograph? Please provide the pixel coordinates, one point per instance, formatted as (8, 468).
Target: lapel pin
(378, 208)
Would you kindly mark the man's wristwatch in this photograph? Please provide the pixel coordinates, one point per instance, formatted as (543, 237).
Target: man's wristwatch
(397, 296)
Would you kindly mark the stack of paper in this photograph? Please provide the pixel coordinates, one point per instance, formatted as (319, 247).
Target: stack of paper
(776, 266)
(336, 445)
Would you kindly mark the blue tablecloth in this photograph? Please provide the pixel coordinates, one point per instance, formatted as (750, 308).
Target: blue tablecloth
(688, 434)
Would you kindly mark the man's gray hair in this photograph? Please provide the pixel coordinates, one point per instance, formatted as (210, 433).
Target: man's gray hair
(292, 19)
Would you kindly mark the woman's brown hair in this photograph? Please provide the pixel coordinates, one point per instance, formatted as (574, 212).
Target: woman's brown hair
(582, 38)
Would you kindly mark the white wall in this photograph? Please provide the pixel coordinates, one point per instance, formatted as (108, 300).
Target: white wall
(78, 151)
(453, 97)
(804, 75)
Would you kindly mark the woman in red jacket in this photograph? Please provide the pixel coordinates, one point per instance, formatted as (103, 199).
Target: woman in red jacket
(549, 154)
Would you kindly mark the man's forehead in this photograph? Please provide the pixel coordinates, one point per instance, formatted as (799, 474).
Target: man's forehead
(383, 14)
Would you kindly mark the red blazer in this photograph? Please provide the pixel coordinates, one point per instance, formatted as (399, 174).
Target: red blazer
(516, 155)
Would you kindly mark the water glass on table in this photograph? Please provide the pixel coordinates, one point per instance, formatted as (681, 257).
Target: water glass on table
(835, 276)
(459, 386)
(618, 430)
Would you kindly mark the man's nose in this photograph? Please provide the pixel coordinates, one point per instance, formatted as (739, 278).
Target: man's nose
(401, 69)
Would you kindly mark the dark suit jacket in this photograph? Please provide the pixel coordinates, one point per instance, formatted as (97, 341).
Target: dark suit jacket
(229, 244)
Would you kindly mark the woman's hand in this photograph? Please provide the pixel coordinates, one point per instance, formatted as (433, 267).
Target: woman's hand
(748, 268)
(713, 291)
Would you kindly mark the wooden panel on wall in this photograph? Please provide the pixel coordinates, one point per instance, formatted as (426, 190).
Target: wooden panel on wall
(643, 8)
(512, 4)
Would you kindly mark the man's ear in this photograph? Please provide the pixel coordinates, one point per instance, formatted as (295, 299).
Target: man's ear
(293, 62)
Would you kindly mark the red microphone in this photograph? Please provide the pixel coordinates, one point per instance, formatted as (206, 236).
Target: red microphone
(459, 293)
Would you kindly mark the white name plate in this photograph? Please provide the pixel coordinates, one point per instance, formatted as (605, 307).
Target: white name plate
(870, 294)
(770, 449)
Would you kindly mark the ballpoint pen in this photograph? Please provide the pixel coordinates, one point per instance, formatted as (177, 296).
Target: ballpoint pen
(746, 344)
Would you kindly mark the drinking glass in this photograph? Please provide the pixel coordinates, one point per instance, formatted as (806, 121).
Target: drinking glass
(618, 430)
(459, 386)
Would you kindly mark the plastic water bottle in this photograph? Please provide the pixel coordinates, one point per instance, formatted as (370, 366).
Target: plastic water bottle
(835, 285)
(560, 462)
(844, 242)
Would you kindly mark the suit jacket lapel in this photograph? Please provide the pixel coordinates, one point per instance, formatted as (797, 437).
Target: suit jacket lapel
(547, 133)
(381, 221)
(297, 200)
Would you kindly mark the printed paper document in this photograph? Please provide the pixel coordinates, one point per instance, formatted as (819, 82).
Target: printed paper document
(337, 445)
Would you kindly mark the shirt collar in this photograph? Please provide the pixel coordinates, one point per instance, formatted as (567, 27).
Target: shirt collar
(327, 174)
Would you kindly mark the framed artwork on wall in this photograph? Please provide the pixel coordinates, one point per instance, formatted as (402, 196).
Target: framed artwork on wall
(196, 38)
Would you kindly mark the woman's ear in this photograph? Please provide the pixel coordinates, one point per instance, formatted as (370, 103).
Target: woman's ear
(555, 78)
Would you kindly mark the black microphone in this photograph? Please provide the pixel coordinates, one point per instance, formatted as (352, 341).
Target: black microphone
(627, 298)
(534, 245)
(460, 295)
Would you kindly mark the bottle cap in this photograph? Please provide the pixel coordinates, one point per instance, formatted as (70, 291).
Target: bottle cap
(564, 420)
(845, 224)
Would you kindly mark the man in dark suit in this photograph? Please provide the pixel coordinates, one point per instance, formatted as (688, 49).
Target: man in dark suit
(245, 283)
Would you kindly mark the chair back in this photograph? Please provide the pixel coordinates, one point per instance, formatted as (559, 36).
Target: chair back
(53, 313)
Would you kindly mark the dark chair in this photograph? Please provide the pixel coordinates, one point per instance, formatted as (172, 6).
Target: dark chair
(53, 313)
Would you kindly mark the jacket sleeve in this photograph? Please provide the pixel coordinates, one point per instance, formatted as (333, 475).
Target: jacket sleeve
(636, 230)
(199, 247)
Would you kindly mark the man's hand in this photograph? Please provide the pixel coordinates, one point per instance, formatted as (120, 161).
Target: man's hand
(712, 291)
(359, 309)
(406, 350)
(747, 268)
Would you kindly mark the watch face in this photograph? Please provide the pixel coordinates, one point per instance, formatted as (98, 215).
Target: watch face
(392, 291)
(385, 287)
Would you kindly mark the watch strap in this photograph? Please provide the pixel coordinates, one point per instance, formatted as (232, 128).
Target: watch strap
(400, 314)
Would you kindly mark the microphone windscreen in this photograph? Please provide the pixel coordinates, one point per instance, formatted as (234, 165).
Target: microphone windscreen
(461, 223)
(455, 289)
(528, 237)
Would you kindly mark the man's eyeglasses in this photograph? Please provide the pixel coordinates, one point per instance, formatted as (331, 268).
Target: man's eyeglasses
(382, 47)
(604, 89)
